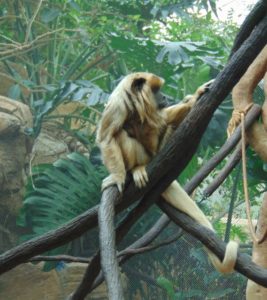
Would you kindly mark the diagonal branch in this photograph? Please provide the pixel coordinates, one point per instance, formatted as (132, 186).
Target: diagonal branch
(244, 264)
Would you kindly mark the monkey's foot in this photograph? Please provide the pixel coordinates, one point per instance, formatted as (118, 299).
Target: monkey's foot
(140, 176)
(204, 88)
(114, 179)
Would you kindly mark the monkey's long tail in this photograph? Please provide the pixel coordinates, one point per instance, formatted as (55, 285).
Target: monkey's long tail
(178, 198)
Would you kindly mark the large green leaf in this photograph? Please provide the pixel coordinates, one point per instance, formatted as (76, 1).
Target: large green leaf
(57, 193)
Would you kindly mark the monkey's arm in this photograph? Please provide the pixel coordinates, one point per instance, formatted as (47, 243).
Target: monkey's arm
(108, 131)
(175, 114)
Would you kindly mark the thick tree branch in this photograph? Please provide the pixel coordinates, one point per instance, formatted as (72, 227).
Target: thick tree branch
(146, 239)
(128, 252)
(227, 147)
(107, 246)
(107, 204)
(244, 264)
(252, 20)
(227, 169)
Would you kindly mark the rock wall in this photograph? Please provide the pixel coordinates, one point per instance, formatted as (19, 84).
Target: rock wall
(29, 282)
(15, 149)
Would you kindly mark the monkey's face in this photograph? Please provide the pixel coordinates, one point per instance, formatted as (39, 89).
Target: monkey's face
(150, 85)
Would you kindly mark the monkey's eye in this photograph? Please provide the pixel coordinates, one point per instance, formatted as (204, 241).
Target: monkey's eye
(155, 89)
(138, 84)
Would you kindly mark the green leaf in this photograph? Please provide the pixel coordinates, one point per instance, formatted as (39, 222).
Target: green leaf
(217, 294)
(167, 285)
(191, 294)
(61, 192)
(14, 92)
(50, 14)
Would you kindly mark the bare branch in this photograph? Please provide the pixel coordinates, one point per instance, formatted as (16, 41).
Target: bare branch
(133, 251)
(228, 146)
(29, 27)
(244, 264)
(227, 169)
(65, 258)
(129, 251)
(252, 20)
(107, 246)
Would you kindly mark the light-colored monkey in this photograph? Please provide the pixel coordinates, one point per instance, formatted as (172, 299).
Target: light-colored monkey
(133, 128)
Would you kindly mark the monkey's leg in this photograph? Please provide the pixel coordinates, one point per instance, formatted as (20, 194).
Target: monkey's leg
(113, 160)
(179, 199)
(123, 153)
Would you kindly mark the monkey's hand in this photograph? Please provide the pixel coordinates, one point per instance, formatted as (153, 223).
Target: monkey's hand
(203, 89)
(114, 179)
(191, 99)
(140, 176)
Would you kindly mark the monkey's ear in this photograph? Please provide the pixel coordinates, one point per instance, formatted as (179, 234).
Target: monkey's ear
(138, 84)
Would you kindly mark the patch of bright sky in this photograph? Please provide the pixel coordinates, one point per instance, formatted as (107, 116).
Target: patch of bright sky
(236, 10)
(227, 10)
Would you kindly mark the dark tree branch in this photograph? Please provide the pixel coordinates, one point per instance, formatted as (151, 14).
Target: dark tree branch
(65, 258)
(227, 169)
(244, 264)
(107, 246)
(146, 239)
(84, 288)
(251, 21)
(52, 239)
(128, 252)
(231, 206)
(88, 278)
(133, 251)
(150, 235)
(227, 147)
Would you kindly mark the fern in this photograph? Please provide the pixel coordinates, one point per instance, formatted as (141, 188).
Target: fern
(57, 193)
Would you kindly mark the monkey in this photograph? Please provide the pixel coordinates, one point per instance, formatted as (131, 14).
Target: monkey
(136, 124)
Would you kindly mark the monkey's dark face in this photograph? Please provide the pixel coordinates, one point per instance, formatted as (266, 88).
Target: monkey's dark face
(161, 100)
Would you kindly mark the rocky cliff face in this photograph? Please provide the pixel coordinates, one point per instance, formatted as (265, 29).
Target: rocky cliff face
(29, 282)
(15, 149)
(18, 153)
